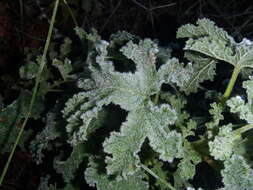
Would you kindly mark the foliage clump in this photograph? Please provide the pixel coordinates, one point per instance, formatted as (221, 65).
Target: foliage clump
(162, 139)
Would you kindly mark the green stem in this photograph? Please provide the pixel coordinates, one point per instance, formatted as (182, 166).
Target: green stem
(156, 100)
(42, 65)
(244, 129)
(231, 84)
(156, 176)
(71, 13)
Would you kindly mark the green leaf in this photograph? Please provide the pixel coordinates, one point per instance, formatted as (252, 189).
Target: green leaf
(101, 181)
(125, 145)
(216, 113)
(237, 168)
(42, 140)
(29, 71)
(129, 90)
(65, 48)
(186, 167)
(209, 40)
(69, 167)
(200, 69)
(222, 147)
(143, 123)
(65, 68)
(238, 105)
(173, 72)
(157, 168)
(11, 119)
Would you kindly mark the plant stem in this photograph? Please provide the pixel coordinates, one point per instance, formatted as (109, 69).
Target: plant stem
(156, 176)
(156, 100)
(71, 13)
(244, 128)
(231, 84)
(42, 65)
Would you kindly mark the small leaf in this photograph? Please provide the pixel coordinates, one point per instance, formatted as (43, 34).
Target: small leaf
(101, 181)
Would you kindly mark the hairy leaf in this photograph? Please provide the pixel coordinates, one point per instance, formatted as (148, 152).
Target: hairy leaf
(238, 105)
(209, 40)
(222, 147)
(237, 174)
(143, 123)
(101, 181)
(69, 167)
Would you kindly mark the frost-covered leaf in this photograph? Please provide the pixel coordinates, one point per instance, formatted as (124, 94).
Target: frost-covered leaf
(129, 90)
(238, 105)
(29, 71)
(199, 70)
(96, 178)
(93, 37)
(188, 78)
(45, 185)
(121, 37)
(174, 72)
(216, 113)
(222, 147)
(149, 122)
(125, 145)
(31, 68)
(11, 119)
(186, 167)
(209, 40)
(65, 68)
(237, 174)
(157, 168)
(69, 167)
(42, 140)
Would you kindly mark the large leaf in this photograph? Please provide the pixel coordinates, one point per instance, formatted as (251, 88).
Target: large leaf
(209, 40)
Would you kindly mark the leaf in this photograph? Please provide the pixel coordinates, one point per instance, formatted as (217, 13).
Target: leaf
(173, 72)
(216, 113)
(186, 168)
(199, 69)
(209, 40)
(238, 105)
(65, 48)
(237, 168)
(69, 167)
(157, 168)
(189, 77)
(222, 147)
(29, 71)
(145, 122)
(42, 140)
(101, 181)
(125, 145)
(65, 68)
(11, 119)
(129, 90)
(44, 185)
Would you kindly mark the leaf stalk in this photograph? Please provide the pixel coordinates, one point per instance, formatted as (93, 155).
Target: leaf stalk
(231, 84)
